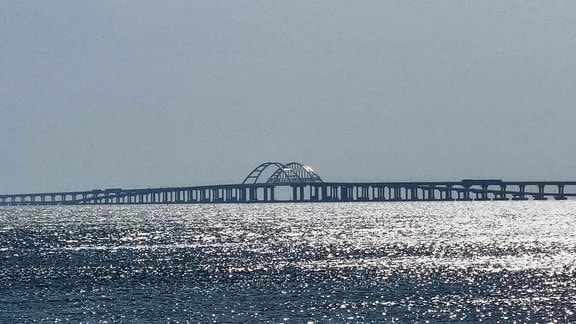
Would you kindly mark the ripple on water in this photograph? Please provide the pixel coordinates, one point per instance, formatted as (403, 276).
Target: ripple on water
(437, 261)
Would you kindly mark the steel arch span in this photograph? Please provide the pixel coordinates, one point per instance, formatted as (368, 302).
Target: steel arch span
(288, 173)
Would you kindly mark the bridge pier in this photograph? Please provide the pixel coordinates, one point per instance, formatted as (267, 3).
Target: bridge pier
(396, 193)
(540, 195)
(412, 194)
(332, 193)
(229, 196)
(430, 196)
(448, 193)
(380, 193)
(464, 194)
(362, 193)
(343, 193)
(324, 193)
(252, 194)
(483, 194)
(522, 193)
(502, 194)
(560, 195)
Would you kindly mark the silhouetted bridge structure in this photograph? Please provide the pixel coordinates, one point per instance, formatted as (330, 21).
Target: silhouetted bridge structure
(273, 182)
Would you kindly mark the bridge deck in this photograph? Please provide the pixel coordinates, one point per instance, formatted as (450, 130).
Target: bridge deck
(468, 189)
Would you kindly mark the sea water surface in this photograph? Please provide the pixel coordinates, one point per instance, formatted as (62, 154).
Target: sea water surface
(318, 262)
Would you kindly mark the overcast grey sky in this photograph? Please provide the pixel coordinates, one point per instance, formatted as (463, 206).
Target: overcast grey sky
(164, 93)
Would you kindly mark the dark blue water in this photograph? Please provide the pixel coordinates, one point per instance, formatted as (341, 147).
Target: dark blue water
(373, 262)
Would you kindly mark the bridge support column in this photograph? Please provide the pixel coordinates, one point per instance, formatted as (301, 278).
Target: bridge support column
(430, 192)
(502, 194)
(467, 193)
(464, 194)
(377, 193)
(397, 193)
(540, 195)
(380, 193)
(413, 193)
(522, 193)
(253, 194)
(448, 193)
(345, 194)
(228, 194)
(361, 193)
(560, 195)
(217, 195)
(314, 193)
(324, 192)
(484, 193)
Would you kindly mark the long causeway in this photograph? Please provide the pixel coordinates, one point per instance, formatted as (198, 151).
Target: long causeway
(274, 182)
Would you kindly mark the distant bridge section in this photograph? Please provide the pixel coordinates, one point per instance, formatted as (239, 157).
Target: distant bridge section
(303, 184)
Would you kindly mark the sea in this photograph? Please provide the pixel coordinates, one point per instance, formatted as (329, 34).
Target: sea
(404, 262)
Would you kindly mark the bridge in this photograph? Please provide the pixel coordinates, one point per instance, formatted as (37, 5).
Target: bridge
(274, 182)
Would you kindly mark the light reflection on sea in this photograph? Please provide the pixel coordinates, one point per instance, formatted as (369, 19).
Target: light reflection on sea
(349, 262)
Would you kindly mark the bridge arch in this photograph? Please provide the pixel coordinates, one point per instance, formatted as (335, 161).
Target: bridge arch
(304, 172)
(292, 172)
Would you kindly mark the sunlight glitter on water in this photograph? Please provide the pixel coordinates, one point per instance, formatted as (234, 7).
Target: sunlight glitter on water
(470, 261)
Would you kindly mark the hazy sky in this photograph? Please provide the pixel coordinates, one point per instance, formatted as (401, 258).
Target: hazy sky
(127, 94)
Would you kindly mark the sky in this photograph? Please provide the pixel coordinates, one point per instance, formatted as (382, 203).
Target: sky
(138, 94)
